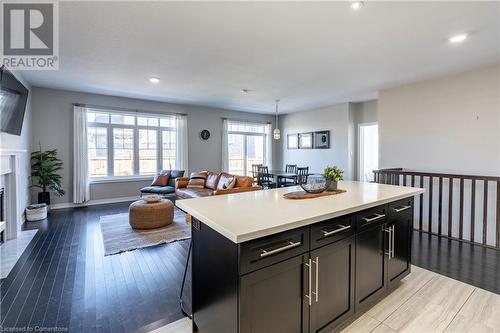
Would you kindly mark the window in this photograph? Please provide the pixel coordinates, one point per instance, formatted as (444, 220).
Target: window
(126, 145)
(123, 150)
(98, 151)
(247, 144)
(147, 151)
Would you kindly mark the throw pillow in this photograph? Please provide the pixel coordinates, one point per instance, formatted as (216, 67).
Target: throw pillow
(226, 182)
(161, 179)
(197, 180)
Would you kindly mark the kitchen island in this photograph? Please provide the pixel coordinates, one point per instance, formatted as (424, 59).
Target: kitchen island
(263, 263)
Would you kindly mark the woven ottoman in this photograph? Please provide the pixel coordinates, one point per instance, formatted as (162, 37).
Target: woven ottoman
(143, 215)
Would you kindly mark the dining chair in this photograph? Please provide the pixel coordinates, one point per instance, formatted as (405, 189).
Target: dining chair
(255, 172)
(302, 173)
(264, 178)
(284, 181)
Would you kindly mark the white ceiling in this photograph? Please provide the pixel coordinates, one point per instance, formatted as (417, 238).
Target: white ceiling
(307, 54)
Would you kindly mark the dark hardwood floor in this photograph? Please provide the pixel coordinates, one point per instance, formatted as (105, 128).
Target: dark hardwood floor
(472, 264)
(64, 281)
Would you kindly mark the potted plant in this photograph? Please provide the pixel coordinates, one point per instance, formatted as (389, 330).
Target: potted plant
(44, 174)
(333, 175)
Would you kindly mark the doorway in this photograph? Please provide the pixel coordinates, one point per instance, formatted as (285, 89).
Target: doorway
(368, 151)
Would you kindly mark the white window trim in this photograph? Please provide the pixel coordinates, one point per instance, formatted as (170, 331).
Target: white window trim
(136, 176)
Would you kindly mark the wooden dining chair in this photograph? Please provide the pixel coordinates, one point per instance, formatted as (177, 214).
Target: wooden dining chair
(302, 173)
(265, 179)
(289, 168)
(255, 173)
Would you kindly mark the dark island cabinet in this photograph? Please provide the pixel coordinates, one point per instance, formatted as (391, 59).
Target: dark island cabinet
(371, 280)
(332, 292)
(272, 298)
(399, 226)
(305, 280)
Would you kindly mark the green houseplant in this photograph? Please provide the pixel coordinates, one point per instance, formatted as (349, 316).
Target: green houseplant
(44, 174)
(333, 175)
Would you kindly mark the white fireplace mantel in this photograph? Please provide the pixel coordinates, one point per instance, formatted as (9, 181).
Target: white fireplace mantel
(10, 174)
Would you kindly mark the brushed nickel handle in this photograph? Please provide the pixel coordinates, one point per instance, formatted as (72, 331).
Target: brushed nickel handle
(309, 268)
(290, 245)
(402, 208)
(375, 218)
(390, 238)
(393, 229)
(336, 231)
(316, 294)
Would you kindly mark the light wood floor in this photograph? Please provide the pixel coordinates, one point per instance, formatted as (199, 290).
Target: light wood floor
(425, 302)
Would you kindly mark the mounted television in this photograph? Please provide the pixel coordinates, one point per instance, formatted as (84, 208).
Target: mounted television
(13, 98)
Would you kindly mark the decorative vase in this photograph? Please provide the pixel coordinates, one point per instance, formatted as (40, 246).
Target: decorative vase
(44, 197)
(332, 186)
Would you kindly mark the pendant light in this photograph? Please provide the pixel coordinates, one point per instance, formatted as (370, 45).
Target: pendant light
(276, 132)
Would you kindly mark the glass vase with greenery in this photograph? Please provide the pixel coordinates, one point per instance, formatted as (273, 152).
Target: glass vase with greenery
(333, 175)
(45, 167)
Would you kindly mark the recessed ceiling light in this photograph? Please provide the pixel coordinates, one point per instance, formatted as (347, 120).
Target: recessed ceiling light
(355, 5)
(457, 38)
(154, 80)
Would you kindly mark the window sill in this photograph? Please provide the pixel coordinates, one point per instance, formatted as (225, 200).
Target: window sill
(120, 179)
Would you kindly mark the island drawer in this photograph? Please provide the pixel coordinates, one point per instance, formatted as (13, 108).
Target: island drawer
(401, 207)
(262, 252)
(371, 217)
(331, 231)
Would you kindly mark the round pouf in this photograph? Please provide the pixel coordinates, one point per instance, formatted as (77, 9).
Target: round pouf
(143, 215)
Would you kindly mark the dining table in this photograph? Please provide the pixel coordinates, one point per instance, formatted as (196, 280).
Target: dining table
(280, 175)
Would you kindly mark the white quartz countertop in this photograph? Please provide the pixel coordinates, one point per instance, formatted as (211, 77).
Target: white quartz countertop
(241, 217)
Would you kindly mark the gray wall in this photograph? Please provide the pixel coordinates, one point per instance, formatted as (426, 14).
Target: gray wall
(53, 127)
(334, 118)
(22, 142)
(342, 121)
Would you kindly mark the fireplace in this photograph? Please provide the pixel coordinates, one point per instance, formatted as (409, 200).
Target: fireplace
(14, 194)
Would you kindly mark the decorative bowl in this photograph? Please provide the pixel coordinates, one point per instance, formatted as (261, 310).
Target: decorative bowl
(314, 184)
(150, 198)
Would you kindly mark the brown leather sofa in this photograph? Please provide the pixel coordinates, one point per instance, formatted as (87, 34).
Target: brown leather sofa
(243, 184)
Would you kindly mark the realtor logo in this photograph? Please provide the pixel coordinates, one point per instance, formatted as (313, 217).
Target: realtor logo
(30, 35)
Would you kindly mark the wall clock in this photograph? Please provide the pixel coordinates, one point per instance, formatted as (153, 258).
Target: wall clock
(205, 134)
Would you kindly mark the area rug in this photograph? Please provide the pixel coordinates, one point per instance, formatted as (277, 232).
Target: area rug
(118, 236)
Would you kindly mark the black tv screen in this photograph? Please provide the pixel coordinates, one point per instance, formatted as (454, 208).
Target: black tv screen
(13, 98)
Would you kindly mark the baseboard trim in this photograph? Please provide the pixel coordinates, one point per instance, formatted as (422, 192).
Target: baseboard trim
(93, 202)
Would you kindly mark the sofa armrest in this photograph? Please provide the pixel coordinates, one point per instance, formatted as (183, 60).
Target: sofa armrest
(181, 182)
(237, 190)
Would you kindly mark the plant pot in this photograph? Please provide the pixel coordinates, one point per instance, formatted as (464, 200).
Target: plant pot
(44, 197)
(332, 186)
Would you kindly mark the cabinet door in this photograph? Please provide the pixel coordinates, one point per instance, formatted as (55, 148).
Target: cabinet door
(370, 266)
(332, 285)
(399, 261)
(272, 298)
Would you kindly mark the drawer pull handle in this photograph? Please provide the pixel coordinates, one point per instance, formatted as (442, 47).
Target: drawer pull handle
(402, 208)
(390, 231)
(375, 218)
(336, 231)
(309, 293)
(290, 245)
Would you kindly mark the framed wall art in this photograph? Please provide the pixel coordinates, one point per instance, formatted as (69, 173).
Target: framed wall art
(292, 141)
(322, 140)
(306, 140)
